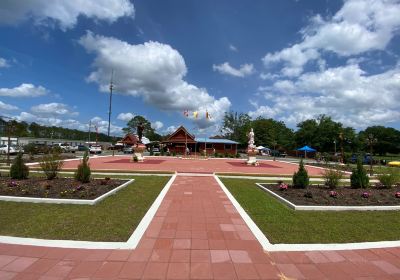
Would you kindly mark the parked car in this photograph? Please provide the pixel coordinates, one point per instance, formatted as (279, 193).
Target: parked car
(366, 159)
(4, 149)
(95, 149)
(65, 147)
(156, 151)
(82, 148)
(127, 150)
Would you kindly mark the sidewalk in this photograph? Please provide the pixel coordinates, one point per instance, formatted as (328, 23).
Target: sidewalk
(196, 234)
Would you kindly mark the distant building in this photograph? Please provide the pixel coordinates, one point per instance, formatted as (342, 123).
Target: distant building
(181, 138)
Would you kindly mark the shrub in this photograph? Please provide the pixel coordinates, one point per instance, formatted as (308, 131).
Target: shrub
(18, 169)
(332, 177)
(300, 178)
(308, 194)
(237, 155)
(135, 159)
(51, 165)
(388, 176)
(359, 177)
(83, 172)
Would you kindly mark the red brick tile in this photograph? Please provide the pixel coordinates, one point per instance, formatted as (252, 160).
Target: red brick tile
(109, 270)
(240, 256)
(220, 256)
(41, 266)
(199, 234)
(178, 271)
(85, 269)
(223, 271)
(164, 243)
(61, 269)
(160, 255)
(180, 256)
(199, 244)
(155, 271)
(98, 255)
(4, 260)
(183, 234)
(19, 264)
(317, 257)
(119, 255)
(267, 271)
(216, 244)
(140, 255)
(259, 256)
(310, 271)
(290, 271)
(387, 267)
(200, 271)
(246, 271)
(6, 275)
(199, 256)
(132, 270)
(181, 243)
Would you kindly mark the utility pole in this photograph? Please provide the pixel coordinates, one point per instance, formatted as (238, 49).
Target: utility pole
(90, 126)
(109, 109)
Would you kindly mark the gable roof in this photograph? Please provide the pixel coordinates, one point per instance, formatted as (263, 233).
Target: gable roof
(181, 135)
(130, 139)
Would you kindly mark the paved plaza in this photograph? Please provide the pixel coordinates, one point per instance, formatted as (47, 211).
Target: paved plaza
(196, 233)
(268, 167)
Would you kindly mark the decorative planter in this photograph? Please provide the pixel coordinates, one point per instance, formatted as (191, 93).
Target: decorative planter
(138, 152)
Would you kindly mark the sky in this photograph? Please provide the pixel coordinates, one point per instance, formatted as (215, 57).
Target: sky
(287, 60)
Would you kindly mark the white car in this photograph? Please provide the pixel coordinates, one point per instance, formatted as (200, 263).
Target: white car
(95, 149)
(4, 149)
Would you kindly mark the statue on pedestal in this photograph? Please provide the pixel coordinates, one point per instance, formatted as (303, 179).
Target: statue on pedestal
(251, 150)
(139, 148)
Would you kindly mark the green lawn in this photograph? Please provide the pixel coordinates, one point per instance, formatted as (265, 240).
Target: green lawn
(113, 219)
(283, 225)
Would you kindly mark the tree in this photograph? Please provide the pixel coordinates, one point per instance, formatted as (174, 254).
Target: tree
(387, 139)
(236, 126)
(272, 133)
(149, 132)
(321, 133)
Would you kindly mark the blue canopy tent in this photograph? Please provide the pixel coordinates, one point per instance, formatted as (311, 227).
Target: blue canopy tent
(306, 149)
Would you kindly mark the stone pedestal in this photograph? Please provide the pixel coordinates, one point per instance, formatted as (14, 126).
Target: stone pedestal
(138, 152)
(252, 160)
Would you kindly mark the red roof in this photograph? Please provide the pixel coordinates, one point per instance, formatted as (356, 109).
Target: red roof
(181, 135)
(130, 139)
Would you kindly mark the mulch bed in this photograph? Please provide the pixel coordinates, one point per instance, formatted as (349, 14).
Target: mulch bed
(347, 196)
(67, 188)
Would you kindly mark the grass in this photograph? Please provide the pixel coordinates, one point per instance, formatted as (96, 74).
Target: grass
(113, 219)
(283, 225)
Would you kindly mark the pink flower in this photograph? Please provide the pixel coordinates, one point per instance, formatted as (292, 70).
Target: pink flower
(365, 194)
(283, 187)
(397, 194)
(333, 194)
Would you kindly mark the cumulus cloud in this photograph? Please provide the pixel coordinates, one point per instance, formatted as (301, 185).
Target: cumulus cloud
(53, 109)
(157, 125)
(64, 13)
(359, 26)
(3, 63)
(24, 90)
(102, 126)
(170, 129)
(346, 93)
(126, 117)
(243, 71)
(152, 71)
(233, 48)
(7, 107)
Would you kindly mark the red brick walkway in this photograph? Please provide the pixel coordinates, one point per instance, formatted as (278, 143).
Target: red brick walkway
(196, 234)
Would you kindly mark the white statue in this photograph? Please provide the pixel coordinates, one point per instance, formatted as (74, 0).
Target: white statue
(251, 138)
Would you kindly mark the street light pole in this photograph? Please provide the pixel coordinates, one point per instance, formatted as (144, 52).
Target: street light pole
(371, 140)
(109, 109)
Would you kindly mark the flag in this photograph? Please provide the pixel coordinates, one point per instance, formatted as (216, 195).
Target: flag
(186, 113)
(195, 113)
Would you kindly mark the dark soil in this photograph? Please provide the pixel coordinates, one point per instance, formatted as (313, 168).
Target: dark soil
(347, 196)
(57, 188)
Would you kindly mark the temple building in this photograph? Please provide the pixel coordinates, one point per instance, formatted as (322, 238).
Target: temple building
(181, 138)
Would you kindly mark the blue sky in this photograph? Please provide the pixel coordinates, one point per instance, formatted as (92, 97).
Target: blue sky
(288, 60)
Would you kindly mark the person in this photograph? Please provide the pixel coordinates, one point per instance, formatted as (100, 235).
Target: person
(140, 129)
(187, 151)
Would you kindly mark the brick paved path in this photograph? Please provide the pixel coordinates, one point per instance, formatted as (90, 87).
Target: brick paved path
(196, 234)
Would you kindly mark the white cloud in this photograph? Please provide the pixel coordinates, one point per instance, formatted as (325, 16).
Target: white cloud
(346, 93)
(170, 129)
(157, 125)
(24, 90)
(152, 70)
(102, 126)
(3, 63)
(126, 117)
(243, 71)
(53, 109)
(233, 48)
(64, 13)
(7, 107)
(359, 26)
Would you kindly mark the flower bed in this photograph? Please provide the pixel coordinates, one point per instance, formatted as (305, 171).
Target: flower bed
(343, 196)
(64, 188)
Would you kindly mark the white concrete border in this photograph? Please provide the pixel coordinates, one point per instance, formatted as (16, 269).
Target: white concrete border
(130, 244)
(300, 247)
(327, 208)
(65, 200)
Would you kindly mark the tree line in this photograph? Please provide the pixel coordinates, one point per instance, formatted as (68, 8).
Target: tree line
(24, 129)
(321, 133)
